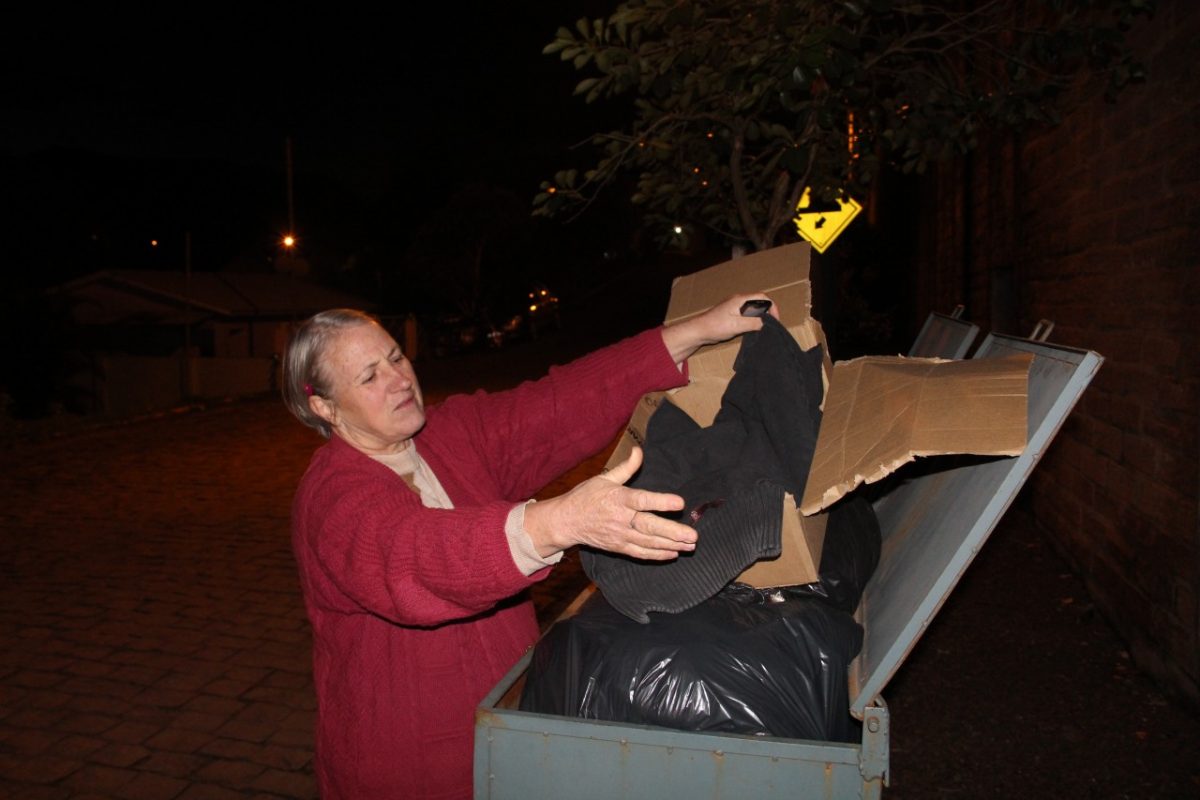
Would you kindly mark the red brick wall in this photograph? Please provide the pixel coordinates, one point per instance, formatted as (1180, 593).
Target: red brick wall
(1094, 225)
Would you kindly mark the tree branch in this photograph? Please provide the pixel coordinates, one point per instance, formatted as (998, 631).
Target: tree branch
(738, 183)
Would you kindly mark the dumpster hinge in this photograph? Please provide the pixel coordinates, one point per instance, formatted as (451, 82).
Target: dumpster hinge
(873, 761)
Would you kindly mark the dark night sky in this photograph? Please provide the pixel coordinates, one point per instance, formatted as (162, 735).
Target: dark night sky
(174, 120)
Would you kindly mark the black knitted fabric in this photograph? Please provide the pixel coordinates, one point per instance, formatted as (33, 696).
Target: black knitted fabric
(732, 476)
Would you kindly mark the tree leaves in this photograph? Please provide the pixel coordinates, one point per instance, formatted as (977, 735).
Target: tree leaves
(752, 92)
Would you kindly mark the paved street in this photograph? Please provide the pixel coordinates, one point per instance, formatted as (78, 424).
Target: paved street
(155, 644)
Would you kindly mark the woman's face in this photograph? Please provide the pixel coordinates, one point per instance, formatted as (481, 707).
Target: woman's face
(375, 402)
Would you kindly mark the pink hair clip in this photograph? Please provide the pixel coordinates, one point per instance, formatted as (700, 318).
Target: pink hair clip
(308, 390)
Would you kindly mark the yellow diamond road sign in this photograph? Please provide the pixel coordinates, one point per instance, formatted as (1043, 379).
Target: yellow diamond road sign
(821, 225)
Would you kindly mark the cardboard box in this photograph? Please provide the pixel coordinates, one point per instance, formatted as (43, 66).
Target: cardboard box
(879, 412)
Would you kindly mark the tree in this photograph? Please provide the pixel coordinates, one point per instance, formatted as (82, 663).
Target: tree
(741, 105)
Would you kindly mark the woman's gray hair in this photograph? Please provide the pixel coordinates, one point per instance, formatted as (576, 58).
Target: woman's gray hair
(304, 370)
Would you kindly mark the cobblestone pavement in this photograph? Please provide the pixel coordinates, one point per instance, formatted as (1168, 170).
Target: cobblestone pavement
(155, 640)
(155, 644)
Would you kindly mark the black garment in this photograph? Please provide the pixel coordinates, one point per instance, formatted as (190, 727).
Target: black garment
(732, 476)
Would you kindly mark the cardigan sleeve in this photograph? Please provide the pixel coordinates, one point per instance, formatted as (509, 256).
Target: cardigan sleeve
(364, 542)
(529, 435)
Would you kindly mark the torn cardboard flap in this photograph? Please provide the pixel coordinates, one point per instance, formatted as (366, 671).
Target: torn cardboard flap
(799, 559)
(882, 412)
(781, 272)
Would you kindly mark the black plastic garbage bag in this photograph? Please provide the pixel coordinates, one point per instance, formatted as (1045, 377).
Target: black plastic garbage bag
(736, 663)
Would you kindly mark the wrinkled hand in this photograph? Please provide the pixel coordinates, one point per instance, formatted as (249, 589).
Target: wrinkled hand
(603, 513)
(718, 324)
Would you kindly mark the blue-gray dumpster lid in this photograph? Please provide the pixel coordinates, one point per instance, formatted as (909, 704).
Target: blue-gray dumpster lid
(934, 521)
(944, 336)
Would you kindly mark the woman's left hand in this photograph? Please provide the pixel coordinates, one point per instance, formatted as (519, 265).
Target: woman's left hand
(718, 324)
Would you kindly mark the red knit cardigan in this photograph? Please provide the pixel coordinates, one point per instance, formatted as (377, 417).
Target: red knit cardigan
(417, 613)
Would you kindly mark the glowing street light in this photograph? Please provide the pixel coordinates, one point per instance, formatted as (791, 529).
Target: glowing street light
(288, 241)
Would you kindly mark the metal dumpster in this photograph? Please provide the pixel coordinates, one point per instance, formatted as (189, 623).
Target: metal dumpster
(933, 523)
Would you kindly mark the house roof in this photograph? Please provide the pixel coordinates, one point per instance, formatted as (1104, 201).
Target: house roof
(148, 296)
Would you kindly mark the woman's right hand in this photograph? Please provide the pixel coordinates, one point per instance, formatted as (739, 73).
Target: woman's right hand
(603, 513)
(718, 324)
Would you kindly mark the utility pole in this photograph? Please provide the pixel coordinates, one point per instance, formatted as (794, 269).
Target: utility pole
(286, 260)
(186, 381)
(290, 201)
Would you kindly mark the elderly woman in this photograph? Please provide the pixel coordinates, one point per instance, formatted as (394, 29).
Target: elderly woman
(415, 534)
